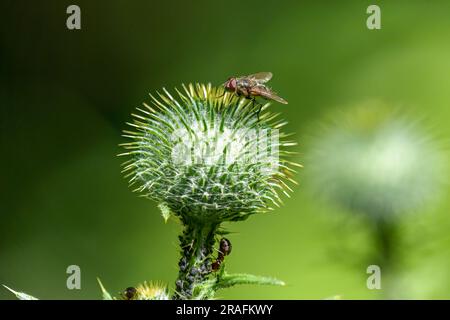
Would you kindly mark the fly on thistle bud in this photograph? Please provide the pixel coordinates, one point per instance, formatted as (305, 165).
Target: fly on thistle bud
(206, 156)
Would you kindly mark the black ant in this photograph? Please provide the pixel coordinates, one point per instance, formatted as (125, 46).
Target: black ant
(224, 250)
(129, 293)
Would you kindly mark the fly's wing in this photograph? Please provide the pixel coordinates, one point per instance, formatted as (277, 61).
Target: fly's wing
(267, 94)
(260, 77)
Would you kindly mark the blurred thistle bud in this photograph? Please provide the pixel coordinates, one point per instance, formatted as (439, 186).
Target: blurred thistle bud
(373, 161)
(207, 156)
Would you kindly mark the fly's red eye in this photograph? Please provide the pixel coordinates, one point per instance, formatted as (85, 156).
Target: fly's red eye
(233, 83)
(230, 84)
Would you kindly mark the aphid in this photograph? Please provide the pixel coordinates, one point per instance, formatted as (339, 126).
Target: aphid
(224, 250)
(252, 86)
(129, 293)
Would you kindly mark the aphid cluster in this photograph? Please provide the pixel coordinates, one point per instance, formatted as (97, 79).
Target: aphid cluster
(192, 273)
(224, 250)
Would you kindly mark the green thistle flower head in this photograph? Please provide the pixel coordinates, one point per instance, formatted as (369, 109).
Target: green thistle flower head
(149, 291)
(207, 155)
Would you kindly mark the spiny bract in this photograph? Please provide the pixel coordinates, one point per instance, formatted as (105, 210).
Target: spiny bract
(208, 154)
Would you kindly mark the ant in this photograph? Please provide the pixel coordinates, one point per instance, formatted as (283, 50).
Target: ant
(224, 250)
(129, 293)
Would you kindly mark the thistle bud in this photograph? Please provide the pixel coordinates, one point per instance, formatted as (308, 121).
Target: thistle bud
(207, 155)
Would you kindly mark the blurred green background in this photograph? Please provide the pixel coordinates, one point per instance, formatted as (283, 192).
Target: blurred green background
(65, 97)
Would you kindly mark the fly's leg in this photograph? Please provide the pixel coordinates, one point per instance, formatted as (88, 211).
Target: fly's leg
(253, 105)
(249, 97)
(259, 110)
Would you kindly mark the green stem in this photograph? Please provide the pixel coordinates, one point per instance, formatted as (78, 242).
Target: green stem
(197, 248)
(387, 255)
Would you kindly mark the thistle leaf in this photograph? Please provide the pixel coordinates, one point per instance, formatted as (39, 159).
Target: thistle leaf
(105, 294)
(21, 295)
(207, 289)
(229, 280)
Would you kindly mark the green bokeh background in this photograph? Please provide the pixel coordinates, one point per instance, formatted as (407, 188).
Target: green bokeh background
(65, 97)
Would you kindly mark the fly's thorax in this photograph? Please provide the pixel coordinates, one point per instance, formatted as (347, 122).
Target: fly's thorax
(245, 83)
